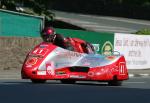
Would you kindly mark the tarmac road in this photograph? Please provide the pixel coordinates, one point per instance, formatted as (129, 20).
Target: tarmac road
(134, 90)
(103, 23)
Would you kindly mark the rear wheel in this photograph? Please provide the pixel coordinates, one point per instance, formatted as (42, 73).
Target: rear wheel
(115, 82)
(38, 81)
(68, 81)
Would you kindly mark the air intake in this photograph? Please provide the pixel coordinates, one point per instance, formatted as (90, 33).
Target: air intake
(79, 69)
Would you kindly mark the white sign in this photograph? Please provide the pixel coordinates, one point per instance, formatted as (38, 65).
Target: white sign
(135, 48)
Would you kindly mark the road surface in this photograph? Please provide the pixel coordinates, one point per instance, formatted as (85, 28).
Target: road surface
(103, 23)
(134, 90)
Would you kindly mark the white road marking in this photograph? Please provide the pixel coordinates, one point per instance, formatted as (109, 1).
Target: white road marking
(117, 31)
(85, 22)
(131, 75)
(142, 22)
(134, 82)
(144, 75)
(106, 27)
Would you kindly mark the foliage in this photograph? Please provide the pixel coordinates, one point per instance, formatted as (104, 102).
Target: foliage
(143, 32)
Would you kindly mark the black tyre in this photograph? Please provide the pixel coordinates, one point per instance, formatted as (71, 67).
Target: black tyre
(38, 81)
(68, 81)
(115, 83)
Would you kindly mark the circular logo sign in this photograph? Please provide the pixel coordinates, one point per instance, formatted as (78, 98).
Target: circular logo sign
(107, 48)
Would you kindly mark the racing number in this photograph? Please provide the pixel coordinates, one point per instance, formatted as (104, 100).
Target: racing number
(40, 51)
(122, 69)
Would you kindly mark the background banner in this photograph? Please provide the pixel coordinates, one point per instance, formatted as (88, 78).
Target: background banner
(19, 24)
(103, 42)
(135, 48)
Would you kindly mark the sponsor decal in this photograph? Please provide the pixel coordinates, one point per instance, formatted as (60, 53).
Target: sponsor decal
(110, 57)
(60, 72)
(50, 66)
(49, 72)
(114, 69)
(90, 74)
(41, 72)
(31, 61)
(77, 76)
(91, 61)
(107, 48)
(68, 54)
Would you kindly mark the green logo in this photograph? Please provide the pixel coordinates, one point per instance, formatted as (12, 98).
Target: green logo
(107, 48)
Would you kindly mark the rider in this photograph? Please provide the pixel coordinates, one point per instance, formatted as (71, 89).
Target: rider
(90, 48)
(49, 35)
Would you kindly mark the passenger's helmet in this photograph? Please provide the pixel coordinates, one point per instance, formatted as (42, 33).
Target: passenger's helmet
(48, 34)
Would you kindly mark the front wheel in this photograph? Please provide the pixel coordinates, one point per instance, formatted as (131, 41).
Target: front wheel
(115, 83)
(38, 81)
(68, 81)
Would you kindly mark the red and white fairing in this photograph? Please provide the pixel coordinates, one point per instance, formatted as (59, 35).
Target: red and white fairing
(47, 61)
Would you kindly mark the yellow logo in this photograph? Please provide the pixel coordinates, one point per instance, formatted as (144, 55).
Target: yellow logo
(107, 48)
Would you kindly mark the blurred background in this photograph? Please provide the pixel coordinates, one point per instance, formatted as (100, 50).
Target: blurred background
(124, 8)
(138, 9)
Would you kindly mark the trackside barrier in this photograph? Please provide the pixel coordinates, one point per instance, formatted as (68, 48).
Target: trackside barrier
(19, 24)
(135, 48)
(23, 25)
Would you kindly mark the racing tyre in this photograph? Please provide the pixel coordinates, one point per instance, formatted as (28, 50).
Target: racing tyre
(38, 81)
(115, 83)
(68, 81)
